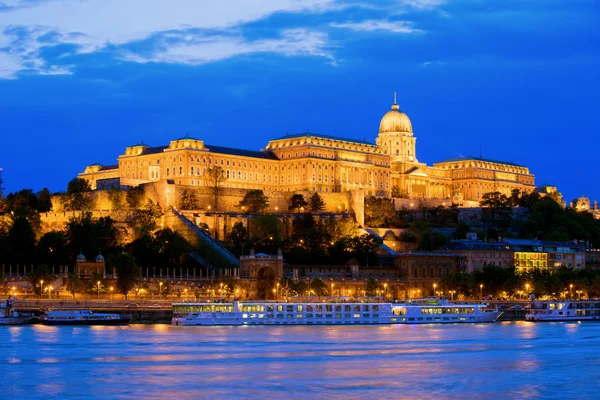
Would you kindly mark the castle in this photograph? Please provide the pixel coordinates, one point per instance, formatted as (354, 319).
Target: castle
(315, 162)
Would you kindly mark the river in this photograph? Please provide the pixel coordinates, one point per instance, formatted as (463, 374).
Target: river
(502, 360)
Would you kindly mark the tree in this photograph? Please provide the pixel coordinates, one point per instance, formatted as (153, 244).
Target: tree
(316, 203)
(372, 287)
(379, 212)
(497, 203)
(214, 178)
(310, 234)
(91, 235)
(1, 186)
(44, 201)
(77, 196)
(23, 203)
(266, 232)
(74, 283)
(116, 198)
(238, 235)
(297, 202)
(145, 220)
(53, 249)
(254, 201)
(134, 196)
(171, 247)
(21, 238)
(188, 200)
(319, 287)
(128, 272)
(37, 276)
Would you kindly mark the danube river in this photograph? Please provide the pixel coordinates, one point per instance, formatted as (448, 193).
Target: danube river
(501, 360)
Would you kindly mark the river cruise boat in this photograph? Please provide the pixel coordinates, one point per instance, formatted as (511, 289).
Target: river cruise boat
(9, 316)
(441, 311)
(82, 317)
(325, 313)
(564, 310)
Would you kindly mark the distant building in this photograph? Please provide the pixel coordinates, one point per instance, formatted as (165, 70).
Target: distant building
(421, 270)
(322, 163)
(524, 254)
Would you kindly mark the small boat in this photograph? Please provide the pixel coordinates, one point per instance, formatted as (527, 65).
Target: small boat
(564, 310)
(9, 316)
(441, 311)
(82, 317)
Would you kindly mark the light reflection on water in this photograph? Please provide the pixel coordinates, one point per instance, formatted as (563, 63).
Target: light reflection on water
(515, 360)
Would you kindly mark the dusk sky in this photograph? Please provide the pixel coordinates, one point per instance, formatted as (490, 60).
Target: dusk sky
(515, 80)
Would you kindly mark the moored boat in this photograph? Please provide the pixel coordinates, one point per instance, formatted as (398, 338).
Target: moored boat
(327, 313)
(82, 317)
(442, 311)
(564, 310)
(9, 316)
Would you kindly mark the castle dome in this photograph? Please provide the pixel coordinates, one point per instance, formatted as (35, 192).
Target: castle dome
(395, 121)
(99, 258)
(81, 257)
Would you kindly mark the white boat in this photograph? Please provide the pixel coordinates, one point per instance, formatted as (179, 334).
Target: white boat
(275, 313)
(81, 317)
(9, 316)
(441, 311)
(322, 313)
(564, 310)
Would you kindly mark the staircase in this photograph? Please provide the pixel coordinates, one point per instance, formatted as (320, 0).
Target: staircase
(207, 250)
(382, 246)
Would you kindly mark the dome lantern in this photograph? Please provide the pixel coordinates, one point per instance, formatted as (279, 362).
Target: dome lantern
(395, 121)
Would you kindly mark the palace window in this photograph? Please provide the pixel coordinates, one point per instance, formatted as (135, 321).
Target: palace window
(227, 173)
(192, 169)
(239, 174)
(180, 170)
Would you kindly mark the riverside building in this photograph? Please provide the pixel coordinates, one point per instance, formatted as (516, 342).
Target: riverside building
(322, 163)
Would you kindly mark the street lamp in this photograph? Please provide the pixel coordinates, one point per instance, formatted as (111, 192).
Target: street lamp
(274, 294)
(50, 292)
(385, 290)
(111, 293)
(41, 288)
(481, 292)
(98, 288)
(186, 294)
(332, 290)
(527, 288)
(160, 288)
(571, 290)
(452, 295)
(434, 286)
(277, 297)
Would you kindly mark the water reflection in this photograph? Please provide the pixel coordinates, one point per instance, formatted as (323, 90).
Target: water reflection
(160, 361)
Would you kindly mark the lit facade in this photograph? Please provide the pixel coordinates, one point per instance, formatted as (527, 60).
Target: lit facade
(323, 163)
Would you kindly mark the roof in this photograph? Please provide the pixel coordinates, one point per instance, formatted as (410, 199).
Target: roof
(240, 152)
(317, 135)
(475, 245)
(187, 137)
(108, 167)
(155, 150)
(471, 158)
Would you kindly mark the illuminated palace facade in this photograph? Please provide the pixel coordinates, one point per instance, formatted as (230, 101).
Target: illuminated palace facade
(310, 161)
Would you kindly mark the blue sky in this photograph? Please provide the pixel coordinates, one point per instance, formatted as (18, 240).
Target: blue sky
(82, 79)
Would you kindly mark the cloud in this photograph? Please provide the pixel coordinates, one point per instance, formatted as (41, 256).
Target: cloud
(423, 4)
(379, 25)
(195, 50)
(28, 27)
